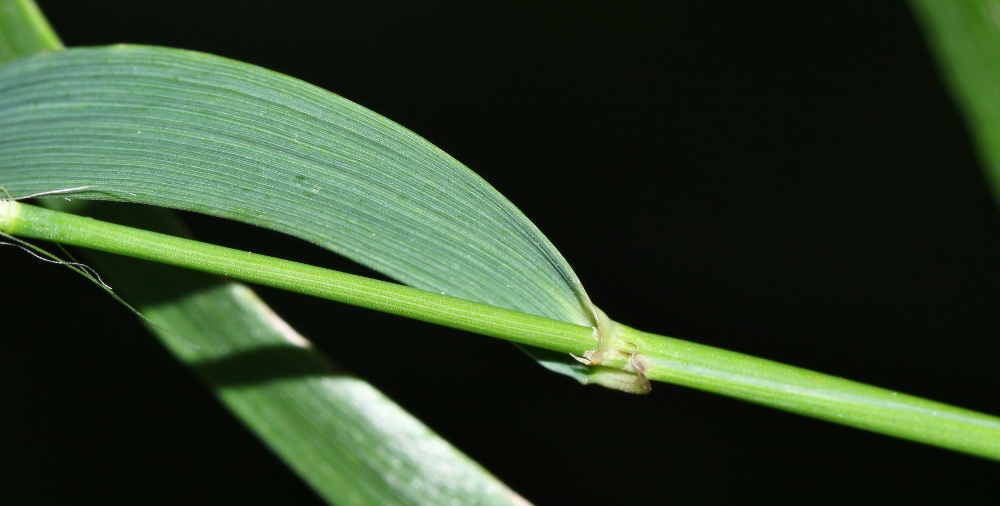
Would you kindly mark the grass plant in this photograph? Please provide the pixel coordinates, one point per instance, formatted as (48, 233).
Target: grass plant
(245, 145)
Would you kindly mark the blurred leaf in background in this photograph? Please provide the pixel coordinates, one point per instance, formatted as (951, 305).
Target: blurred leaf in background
(965, 36)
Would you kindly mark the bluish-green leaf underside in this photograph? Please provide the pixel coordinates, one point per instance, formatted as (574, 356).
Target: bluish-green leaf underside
(191, 131)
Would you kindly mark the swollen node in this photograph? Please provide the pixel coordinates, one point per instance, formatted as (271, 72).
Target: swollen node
(9, 210)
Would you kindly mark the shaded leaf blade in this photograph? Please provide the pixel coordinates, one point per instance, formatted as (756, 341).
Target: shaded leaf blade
(348, 441)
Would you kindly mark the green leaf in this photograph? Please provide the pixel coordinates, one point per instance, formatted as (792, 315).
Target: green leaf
(23, 30)
(343, 437)
(353, 144)
(966, 39)
(192, 131)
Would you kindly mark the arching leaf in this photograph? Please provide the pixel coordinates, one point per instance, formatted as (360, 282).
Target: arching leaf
(191, 131)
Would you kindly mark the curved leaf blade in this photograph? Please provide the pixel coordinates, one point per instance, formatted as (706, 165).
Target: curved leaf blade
(192, 131)
(341, 435)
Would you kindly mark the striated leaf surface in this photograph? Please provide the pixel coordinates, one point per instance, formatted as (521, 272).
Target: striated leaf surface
(192, 131)
(343, 437)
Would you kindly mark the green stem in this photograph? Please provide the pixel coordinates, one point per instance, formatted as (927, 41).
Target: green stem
(815, 394)
(660, 358)
(38, 223)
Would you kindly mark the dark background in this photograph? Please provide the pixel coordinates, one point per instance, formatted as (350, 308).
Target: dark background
(785, 179)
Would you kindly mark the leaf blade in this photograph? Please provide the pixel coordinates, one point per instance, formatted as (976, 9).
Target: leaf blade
(307, 413)
(344, 438)
(192, 131)
(219, 137)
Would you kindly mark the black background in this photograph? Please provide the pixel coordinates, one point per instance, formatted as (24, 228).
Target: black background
(785, 179)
